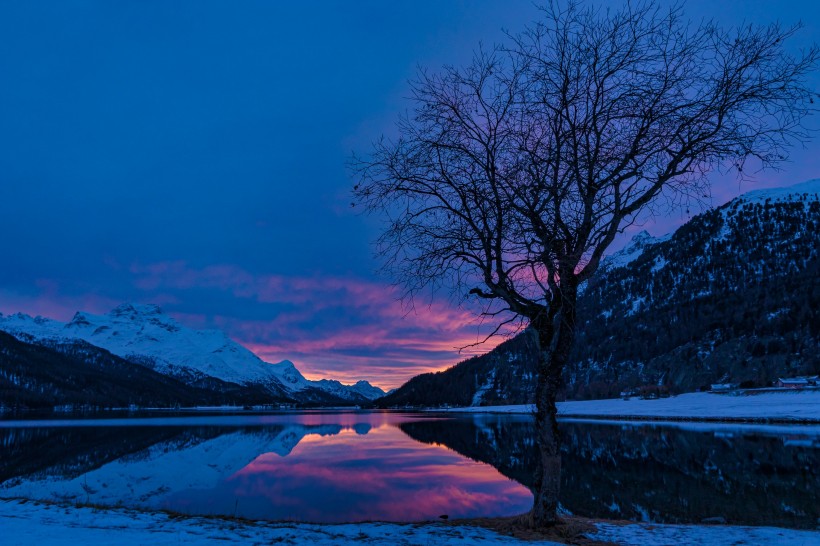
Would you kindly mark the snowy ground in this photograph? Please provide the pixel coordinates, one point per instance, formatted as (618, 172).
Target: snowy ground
(25, 523)
(797, 406)
(703, 535)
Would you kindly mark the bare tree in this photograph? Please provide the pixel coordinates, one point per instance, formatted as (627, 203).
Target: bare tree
(512, 176)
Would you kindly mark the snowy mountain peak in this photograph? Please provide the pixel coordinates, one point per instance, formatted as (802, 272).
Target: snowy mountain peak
(367, 390)
(132, 311)
(33, 327)
(145, 334)
(643, 240)
(636, 246)
(144, 314)
(287, 364)
(79, 320)
(290, 375)
(363, 388)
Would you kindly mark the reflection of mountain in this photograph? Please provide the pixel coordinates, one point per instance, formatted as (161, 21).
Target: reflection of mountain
(362, 428)
(68, 452)
(651, 472)
(135, 465)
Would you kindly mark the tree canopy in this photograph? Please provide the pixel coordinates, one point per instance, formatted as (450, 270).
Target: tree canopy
(520, 169)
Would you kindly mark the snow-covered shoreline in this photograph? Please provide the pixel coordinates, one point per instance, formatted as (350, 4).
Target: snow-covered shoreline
(28, 522)
(781, 407)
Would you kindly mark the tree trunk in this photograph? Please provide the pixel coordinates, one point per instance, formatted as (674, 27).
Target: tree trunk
(555, 339)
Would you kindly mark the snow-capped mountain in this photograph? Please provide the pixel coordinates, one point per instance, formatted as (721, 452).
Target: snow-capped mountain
(74, 373)
(642, 241)
(795, 192)
(363, 388)
(632, 251)
(146, 335)
(731, 296)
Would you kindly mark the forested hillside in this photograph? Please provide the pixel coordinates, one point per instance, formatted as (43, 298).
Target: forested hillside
(78, 374)
(731, 296)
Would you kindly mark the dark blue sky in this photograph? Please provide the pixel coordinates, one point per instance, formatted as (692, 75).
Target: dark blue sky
(193, 154)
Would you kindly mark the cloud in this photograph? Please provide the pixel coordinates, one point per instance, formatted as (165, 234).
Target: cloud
(344, 328)
(51, 301)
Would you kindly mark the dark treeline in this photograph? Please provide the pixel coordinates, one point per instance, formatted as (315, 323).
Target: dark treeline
(78, 374)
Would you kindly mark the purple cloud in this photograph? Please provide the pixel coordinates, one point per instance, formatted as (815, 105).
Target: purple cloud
(345, 328)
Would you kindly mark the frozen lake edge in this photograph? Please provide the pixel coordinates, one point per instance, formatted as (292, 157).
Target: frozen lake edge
(795, 407)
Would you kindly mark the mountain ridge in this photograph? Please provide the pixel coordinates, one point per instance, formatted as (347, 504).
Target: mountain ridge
(146, 335)
(730, 296)
(80, 375)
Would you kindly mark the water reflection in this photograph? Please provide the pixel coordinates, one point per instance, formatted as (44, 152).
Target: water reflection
(329, 467)
(348, 477)
(306, 468)
(681, 473)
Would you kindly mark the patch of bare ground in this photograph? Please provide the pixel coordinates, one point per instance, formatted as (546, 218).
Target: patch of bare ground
(569, 530)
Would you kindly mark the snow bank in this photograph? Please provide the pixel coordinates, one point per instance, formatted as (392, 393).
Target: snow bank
(29, 523)
(702, 535)
(25, 523)
(798, 406)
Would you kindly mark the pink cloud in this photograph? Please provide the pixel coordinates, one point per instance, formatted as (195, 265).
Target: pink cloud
(51, 303)
(345, 328)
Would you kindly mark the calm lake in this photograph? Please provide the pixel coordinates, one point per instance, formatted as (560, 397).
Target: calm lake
(358, 466)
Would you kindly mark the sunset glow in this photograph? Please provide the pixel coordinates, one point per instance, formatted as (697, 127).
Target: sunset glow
(147, 159)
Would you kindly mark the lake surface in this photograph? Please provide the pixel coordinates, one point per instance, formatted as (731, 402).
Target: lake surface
(359, 466)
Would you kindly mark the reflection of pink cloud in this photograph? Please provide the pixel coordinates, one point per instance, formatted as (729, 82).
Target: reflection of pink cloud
(383, 475)
(348, 329)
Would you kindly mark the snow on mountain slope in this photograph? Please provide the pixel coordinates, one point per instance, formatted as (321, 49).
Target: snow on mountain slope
(639, 243)
(799, 194)
(367, 390)
(144, 332)
(363, 388)
(808, 187)
(643, 240)
(730, 292)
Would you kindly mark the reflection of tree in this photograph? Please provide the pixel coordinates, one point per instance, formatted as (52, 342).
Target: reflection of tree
(509, 447)
(671, 475)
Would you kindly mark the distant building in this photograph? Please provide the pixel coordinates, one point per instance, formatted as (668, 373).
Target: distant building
(722, 387)
(796, 382)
